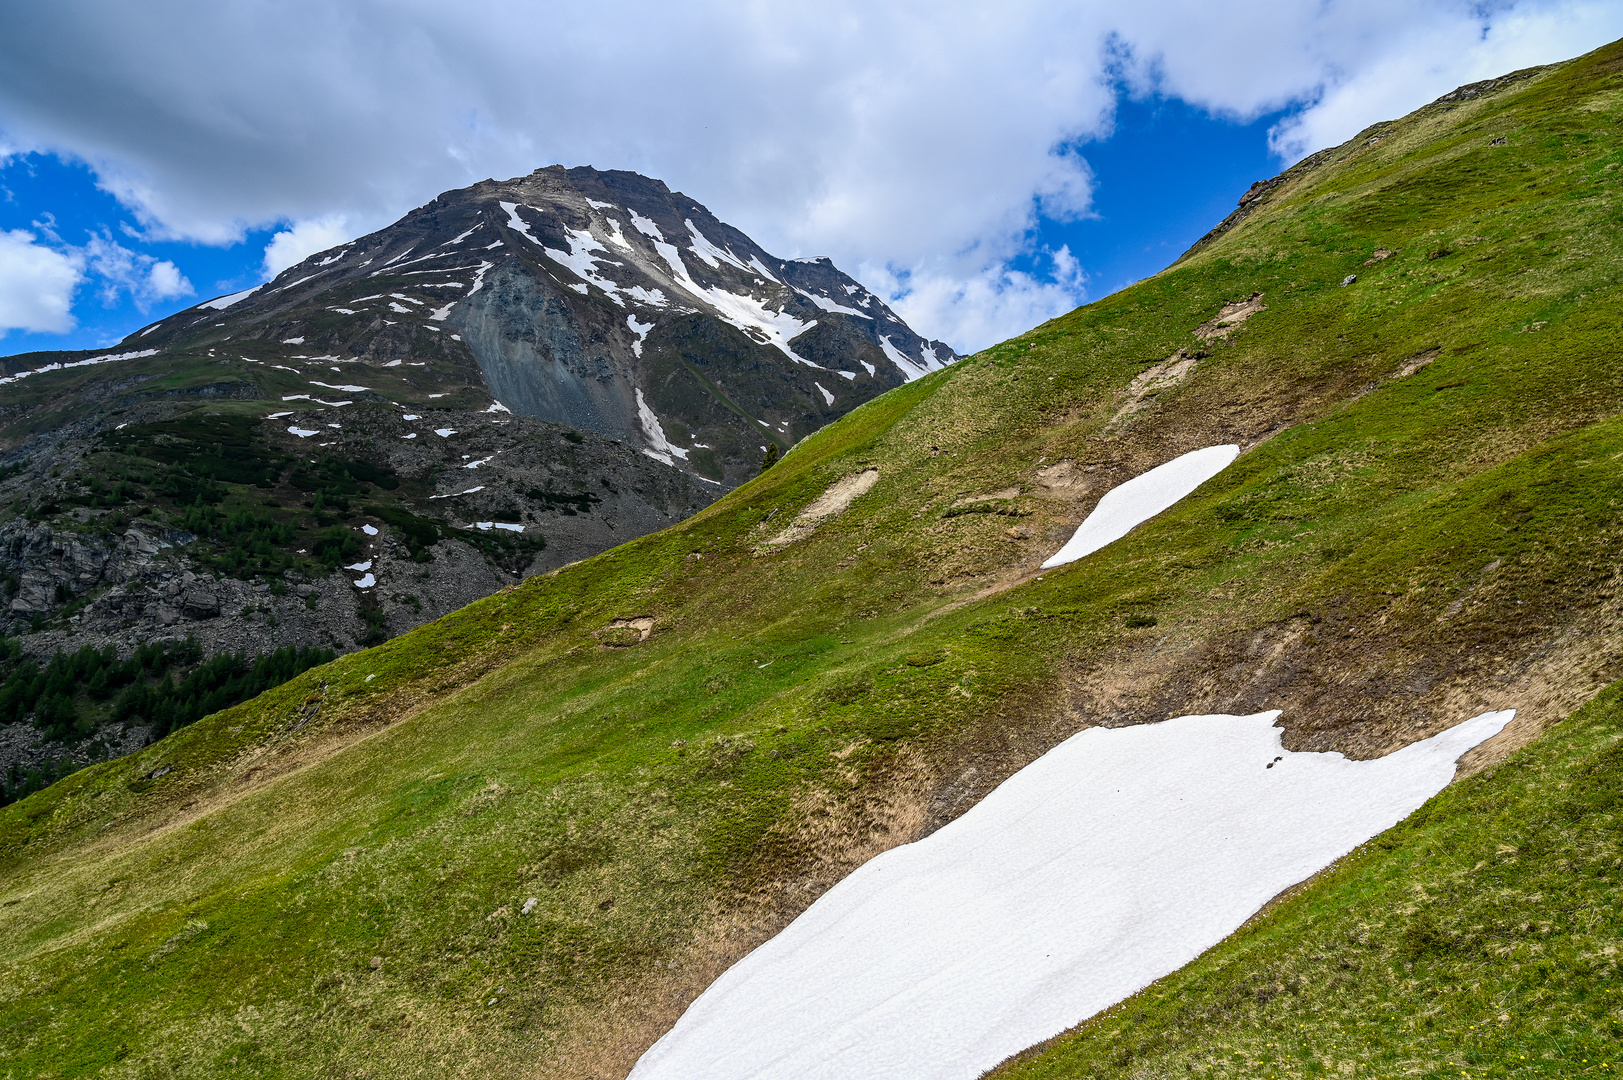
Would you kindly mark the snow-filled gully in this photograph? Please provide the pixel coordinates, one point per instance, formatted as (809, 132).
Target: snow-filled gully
(1111, 861)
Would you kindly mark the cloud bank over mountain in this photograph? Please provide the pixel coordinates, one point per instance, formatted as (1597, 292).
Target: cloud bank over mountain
(920, 143)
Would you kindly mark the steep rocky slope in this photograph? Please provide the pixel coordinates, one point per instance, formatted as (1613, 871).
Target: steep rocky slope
(512, 378)
(519, 840)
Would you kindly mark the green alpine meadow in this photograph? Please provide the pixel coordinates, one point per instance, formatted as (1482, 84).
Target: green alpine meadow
(520, 840)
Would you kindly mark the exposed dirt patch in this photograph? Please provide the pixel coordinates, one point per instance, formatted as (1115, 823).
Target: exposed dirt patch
(1229, 318)
(1149, 383)
(1348, 683)
(1062, 476)
(623, 633)
(1416, 362)
(830, 503)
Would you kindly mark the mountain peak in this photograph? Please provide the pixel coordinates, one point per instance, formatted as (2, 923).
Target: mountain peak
(602, 300)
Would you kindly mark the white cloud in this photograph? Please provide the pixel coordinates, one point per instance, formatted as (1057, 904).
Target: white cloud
(1435, 57)
(164, 280)
(921, 138)
(36, 285)
(293, 245)
(984, 306)
(145, 278)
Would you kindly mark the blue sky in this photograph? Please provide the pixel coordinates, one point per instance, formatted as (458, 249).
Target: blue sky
(1166, 173)
(43, 195)
(1164, 176)
(983, 167)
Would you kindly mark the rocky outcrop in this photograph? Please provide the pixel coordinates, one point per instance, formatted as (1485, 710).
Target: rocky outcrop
(51, 566)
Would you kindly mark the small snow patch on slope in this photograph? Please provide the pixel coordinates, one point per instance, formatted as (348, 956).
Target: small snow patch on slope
(647, 227)
(1114, 859)
(1129, 505)
(760, 268)
(747, 313)
(712, 255)
(641, 330)
(616, 237)
(659, 448)
(828, 305)
(910, 369)
(516, 223)
(223, 302)
(580, 260)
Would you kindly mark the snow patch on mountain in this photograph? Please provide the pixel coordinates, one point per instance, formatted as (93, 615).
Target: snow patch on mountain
(646, 226)
(1111, 861)
(223, 302)
(712, 255)
(909, 368)
(516, 223)
(650, 297)
(749, 314)
(1127, 506)
(828, 305)
(641, 330)
(659, 447)
(760, 268)
(616, 237)
(583, 264)
(90, 361)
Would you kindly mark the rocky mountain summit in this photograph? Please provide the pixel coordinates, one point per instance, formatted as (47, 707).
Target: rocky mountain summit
(598, 300)
(514, 377)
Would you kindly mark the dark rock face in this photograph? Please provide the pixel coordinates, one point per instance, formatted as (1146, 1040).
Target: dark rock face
(535, 361)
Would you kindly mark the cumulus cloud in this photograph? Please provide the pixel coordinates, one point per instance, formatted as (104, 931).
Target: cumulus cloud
(1437, 55)
(36, 284)
(989, 305)
(146, 279)
(302, 239)
(921, 139)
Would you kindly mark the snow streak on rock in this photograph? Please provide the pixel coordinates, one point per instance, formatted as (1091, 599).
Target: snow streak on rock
(659, 447)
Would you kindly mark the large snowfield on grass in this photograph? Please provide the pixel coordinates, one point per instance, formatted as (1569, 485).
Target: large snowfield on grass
(1116, 858)
(1129, 505)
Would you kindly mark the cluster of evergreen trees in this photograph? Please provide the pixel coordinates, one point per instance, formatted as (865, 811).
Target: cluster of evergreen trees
(251, 542)
(167, 685)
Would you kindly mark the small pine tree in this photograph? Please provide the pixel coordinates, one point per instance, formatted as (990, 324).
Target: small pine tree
(771, 457)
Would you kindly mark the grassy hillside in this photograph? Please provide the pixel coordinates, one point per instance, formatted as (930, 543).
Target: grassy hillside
(334, 879)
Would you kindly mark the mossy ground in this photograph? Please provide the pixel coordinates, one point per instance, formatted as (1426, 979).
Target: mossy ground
(329, 880)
